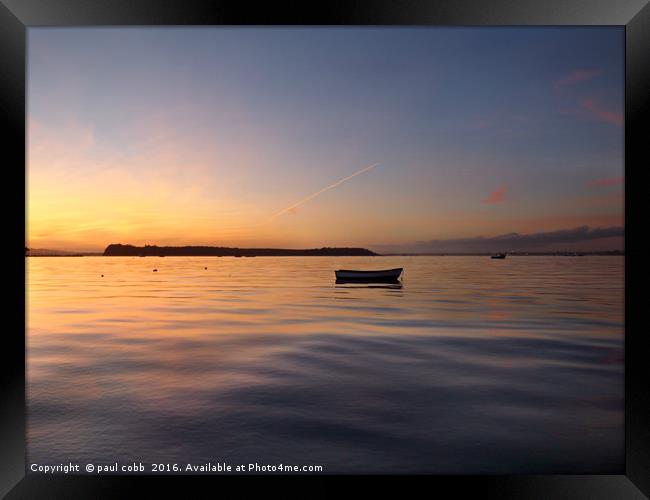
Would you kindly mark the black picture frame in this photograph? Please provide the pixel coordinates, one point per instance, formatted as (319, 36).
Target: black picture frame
(17, 15)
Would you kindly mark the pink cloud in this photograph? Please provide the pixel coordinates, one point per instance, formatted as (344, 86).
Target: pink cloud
(609, 181)
(497, 196)
(577, 76)
(598, 111)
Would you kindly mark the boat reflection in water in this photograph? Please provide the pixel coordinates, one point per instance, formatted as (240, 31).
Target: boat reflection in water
(371, 284)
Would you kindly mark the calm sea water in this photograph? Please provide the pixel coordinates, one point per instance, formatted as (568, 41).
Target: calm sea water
(472, 366)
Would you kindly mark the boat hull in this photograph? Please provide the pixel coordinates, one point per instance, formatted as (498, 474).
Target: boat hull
(380, 276)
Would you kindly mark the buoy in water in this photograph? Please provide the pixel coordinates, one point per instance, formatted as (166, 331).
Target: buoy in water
(155, 270)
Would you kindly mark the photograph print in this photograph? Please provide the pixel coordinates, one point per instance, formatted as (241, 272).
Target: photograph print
(325, 250)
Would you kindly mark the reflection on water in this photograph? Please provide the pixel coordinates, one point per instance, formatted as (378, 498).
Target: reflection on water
(368, 284)
(469, 367)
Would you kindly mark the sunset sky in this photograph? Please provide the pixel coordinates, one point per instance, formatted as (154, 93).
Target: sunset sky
(371, 137)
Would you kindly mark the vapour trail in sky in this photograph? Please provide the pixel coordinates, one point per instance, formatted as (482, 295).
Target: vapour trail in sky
(317, 193)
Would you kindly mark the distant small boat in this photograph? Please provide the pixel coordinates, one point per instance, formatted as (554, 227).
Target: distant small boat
(499, 256)
(382, 276)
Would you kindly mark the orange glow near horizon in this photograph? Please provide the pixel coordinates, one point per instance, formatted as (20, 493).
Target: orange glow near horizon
(77, 201)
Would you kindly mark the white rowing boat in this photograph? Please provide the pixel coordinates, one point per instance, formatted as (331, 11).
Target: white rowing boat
(384, 275)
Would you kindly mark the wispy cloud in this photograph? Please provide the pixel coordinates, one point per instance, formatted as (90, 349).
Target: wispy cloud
(595, 109)
(608, 181)
(293, 208)
(497, 196)
(590, 105)
(577, 76)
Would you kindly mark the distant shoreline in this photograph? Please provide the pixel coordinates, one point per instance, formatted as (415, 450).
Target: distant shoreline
(208, 251)
(613, 253)
(606, 253)
(119, 250)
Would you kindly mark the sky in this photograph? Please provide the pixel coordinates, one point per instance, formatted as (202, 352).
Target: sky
(385, 138)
